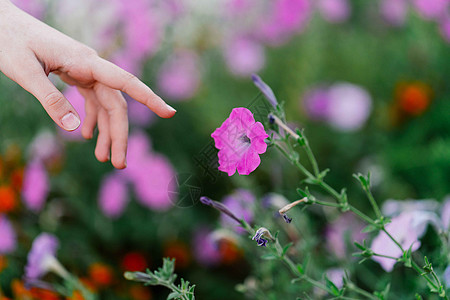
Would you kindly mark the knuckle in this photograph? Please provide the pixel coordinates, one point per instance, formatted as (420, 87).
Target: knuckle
(54, 100)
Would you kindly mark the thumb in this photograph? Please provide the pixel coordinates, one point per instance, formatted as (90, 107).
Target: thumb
(57, 106)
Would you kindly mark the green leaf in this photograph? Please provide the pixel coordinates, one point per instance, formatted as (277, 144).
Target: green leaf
(335, 291)
(407, 257)
(269, 256)
(369, 228)
(286, 248)
(174, 295)
(323, 174)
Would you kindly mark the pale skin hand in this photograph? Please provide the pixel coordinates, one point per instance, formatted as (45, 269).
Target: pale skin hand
(30, 50)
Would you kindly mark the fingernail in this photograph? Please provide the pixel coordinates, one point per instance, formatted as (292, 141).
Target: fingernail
(70, 121)
(171, 108)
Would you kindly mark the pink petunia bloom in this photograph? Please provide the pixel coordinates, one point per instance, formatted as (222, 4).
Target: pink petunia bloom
(334, 11)
(394, 11)
(406, 228)
(431, 9)
(35, 186)
(113, 196)
(244, 56)
(8, 238)
(240, 140)
(179, 76)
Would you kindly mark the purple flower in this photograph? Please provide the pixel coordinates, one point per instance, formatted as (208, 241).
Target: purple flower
(41, 258)
(316, 103)
(46, 148)
(262, 236)
(447, 277)
(179, 76)
(113, 196)
(342, 232)
(35, 186)
(334, 11)
(431, 9)
(206, 249)
(265, 89)
(406, 228)
(394, 11)
(139, 114)
(244, 56)
(285, 18)
(445, 213)
(8, 240)
(240, 140)
(35, 8)
(395, 207)
(220, 207)
(241, 203)
(349, 106)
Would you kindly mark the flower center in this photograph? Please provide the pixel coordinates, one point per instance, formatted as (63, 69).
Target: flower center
(245, 139)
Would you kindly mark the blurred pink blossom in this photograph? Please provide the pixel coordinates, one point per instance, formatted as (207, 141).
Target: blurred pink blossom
(284, 19)
(336, 276)
(139, 147)
(155, 186)
(8, 238)
(349, 107)
(240, 203)
(316, 103)
(71, 93)
(206, 249)
(406, 228)
(240, 140)
(244, 56)
(431, 9)
(46, 148)
(342, 232)
(445, 213)
(334, 11)
(394, 11)
(35, 186)
(179, 76)
(139, 114)
(113, 196)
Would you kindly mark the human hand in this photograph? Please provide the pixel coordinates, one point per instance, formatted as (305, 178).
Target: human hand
(30, 50)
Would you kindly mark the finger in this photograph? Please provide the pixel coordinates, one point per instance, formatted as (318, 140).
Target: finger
(119, 79)
(90, 106)
(103, 139)
(115, 105)
(35, 81)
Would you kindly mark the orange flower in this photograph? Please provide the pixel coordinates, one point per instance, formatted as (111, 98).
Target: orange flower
(19, 290)
(413, 98)
(3, 263)
(229, 251)
(8, 201)
(17, 179)
(41, 294)
(139, 292)
(101, 274)
(77, 295)
(180, 252)
(134, 261)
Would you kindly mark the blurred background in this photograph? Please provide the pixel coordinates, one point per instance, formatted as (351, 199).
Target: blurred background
(368, 80)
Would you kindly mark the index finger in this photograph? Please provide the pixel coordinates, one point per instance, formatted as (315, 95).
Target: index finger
(111, 75)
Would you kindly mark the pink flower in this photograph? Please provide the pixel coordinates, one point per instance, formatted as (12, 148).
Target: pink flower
(8, 239)
(139, 114)
(431, 9)
(35, 186)
(244, 56)
(206, 249)
(179, 76)
(155, 186)
(445, 214)
(394, 11)
(334, 11)
(406, 228)
(240, 140)
(113, 196)
(285, 18)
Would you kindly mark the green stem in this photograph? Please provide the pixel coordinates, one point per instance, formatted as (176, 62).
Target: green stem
(351, 286)
(373, 202)
(311, 157)
(393, 239)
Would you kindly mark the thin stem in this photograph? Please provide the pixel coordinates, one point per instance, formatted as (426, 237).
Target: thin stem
(393, 239)
(386, 256)
(373, 202)
(420, 271)
(311, 157)
(285, 127)
(351, 286)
